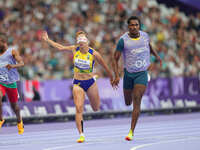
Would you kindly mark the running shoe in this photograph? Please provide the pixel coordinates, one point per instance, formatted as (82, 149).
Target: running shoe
(81, 139)
(129, 137)
(20, 127)
(1, 122)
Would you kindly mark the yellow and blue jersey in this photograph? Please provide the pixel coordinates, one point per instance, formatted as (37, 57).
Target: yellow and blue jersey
(83, 62)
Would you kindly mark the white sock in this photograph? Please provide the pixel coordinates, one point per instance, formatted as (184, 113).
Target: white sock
(82, 134)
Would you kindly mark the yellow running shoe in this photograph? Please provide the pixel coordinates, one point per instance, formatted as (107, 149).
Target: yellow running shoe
(81, 139)
(20, 127)
(1, 122)
(129, 137)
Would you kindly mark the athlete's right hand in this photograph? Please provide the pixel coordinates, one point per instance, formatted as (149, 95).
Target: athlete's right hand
(10, 66)
(111, 80)
(45, 36)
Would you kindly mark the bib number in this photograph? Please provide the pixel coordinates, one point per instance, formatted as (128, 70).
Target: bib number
(82, 64)
(140, 63)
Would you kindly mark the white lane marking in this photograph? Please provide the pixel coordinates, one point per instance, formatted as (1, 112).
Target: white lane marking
(101, 138)
(133, 148)
(140, 128)
(162, 142)
(140, 132)
(92, 130)
(73, 145)
(67, 136)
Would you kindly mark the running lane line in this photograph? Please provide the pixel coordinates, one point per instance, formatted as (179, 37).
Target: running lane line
(163, 142)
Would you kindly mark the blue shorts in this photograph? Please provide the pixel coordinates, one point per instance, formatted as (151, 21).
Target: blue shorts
(84, 84)
(130, 79)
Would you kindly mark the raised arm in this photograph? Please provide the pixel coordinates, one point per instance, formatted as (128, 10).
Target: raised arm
(101, 61)
(57, 45)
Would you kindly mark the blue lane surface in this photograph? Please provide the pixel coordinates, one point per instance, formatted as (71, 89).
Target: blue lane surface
(174, 132)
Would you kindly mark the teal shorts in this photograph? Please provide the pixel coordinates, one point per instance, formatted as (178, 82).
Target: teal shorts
(130, 79)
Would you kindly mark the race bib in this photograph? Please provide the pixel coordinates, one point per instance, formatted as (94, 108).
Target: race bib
(82, 64)
(140, 63)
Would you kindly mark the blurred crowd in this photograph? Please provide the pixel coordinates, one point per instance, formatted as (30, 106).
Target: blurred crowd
(175, 36)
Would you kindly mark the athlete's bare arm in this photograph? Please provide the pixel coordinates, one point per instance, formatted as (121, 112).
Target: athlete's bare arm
(155, 54)
(101, 61)
(117, 56)
(57, 45)
(18, 58)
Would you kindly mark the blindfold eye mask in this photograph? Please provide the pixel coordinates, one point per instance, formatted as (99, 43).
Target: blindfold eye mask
(82, 39)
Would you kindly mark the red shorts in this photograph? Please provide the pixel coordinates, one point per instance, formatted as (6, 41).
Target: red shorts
(12, 93)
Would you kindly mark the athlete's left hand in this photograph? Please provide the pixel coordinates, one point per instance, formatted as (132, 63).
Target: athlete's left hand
(9, 66)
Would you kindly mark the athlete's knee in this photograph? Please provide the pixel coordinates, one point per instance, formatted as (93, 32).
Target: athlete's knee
(15, 107)
(137, 99)
(137, 110)
(79, 109)
(95, 106)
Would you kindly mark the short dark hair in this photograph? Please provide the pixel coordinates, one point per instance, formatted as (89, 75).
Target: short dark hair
(133, 18)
